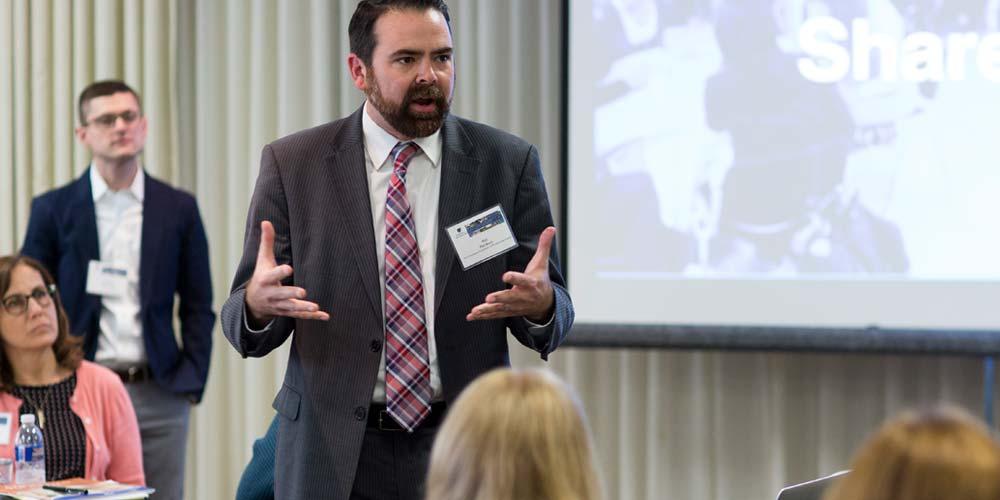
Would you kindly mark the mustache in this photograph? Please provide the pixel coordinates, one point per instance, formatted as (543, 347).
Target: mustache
(424, 92)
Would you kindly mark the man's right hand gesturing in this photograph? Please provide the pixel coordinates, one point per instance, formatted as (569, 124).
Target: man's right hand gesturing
(266, 297)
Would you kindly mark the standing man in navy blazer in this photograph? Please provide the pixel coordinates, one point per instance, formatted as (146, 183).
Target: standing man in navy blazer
(354, 205)
(121, 246)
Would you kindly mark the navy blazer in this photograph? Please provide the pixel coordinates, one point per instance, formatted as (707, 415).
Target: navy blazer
(62, 234)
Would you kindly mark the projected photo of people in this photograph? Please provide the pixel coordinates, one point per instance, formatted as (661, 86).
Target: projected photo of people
(763, 138)
(646, 213)
(793, 136)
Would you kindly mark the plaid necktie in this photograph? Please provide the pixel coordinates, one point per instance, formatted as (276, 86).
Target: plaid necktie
(407, 365)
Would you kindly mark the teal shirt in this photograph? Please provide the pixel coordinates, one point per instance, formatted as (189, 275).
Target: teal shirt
(257, 482)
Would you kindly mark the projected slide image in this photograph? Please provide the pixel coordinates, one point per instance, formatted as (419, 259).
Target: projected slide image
(841, 139)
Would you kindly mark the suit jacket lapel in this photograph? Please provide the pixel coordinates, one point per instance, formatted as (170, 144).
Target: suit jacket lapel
(348, 170)
(458, 165)
(84, 238)
(84, 221)
(154, 223)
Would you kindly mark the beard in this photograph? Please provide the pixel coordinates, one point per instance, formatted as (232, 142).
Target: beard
(400, 117)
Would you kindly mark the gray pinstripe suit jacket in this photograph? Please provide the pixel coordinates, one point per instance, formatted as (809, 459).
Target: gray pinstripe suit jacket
(313, 187)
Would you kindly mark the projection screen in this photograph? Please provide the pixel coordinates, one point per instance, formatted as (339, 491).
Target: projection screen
(825, 164)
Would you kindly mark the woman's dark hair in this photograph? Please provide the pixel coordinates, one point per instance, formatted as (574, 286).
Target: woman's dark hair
(67, 347)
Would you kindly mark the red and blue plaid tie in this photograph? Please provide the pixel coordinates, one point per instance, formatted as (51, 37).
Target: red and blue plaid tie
(407, 365)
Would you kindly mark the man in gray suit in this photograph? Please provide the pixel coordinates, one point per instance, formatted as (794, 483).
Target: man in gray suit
(387, 325)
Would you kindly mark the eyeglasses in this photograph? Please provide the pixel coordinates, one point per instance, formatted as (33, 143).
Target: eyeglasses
(109, 120)
(16, 304)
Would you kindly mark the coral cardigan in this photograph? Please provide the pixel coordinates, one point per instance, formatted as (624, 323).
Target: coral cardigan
(114, 450)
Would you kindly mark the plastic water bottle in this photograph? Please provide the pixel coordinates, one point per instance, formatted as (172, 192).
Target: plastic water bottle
(29, 453)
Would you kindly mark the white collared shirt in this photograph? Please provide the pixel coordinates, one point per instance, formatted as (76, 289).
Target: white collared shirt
(423, 189)
(119, 235)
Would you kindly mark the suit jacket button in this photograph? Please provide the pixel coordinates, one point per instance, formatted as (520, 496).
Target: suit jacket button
(359, 412)
(376, 345)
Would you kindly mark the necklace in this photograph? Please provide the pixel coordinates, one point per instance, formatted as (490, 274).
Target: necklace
(39, 408)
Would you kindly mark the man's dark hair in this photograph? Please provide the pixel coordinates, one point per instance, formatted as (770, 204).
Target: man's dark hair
(361, 30)
(101, 89)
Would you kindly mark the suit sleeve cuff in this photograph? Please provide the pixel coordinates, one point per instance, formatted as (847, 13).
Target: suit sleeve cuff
(535, 328)
(540, 334)
(246, 322)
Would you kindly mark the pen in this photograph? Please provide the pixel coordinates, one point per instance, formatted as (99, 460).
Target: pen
(65, 489)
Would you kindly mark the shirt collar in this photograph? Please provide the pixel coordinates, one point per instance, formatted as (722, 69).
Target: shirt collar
(379, 142)
(98, 186)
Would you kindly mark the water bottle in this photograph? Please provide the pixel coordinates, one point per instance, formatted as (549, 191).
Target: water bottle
(29, 453)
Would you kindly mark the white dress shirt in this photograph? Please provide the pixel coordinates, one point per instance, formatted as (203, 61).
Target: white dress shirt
(423, 189)
(119, 231)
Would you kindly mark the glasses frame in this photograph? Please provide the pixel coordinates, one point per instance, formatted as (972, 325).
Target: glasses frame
(109, 120)
(44, 299)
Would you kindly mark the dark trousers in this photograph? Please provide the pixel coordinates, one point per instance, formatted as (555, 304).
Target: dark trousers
(393, 465)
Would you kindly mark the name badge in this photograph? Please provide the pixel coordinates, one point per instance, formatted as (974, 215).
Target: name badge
(108, 280)
(482, 237)
(5, 419)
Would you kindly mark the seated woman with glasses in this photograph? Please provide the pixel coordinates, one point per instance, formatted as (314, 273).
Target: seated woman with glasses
(86, 416)
(514, 435)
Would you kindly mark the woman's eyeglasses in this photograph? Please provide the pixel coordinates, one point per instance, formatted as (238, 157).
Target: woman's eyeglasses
(17, 303)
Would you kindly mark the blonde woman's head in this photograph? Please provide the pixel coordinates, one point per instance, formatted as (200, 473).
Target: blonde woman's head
(943, 453)
(514, 435)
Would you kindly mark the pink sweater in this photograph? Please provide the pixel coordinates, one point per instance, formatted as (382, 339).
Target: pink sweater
(114, 450)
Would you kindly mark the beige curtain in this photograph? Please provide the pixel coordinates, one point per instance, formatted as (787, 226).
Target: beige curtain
(220, 78)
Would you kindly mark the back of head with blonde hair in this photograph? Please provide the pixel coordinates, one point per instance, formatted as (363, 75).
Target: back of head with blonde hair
(940, 454)
(514, 435)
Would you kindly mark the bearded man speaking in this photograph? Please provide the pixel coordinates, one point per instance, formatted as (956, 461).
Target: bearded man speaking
(395, 247)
